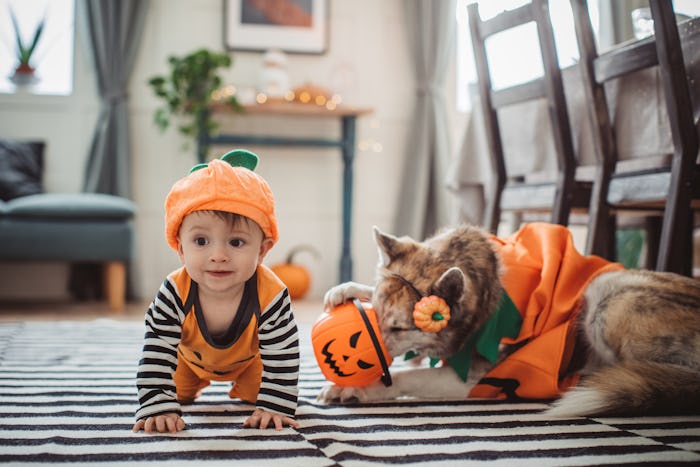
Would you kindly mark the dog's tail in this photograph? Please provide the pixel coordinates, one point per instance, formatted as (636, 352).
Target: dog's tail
(627, 389)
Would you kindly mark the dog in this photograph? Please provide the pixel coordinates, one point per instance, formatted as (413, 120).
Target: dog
(531, 319)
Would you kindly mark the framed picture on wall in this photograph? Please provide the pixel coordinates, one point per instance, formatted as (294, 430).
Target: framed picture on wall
(294, 26)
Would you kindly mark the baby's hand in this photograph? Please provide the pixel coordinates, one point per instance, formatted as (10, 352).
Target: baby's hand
(163, 423)
(261, 418)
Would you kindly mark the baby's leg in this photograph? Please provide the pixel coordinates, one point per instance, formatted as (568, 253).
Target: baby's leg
(247, 383)
(187, 384)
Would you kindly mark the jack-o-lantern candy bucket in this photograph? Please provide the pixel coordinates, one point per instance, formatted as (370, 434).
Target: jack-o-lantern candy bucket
(348, 346)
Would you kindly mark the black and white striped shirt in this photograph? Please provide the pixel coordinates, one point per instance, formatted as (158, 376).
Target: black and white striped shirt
(277, 334)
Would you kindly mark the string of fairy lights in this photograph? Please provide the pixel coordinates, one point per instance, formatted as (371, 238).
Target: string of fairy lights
(303, 96)
(306, 96)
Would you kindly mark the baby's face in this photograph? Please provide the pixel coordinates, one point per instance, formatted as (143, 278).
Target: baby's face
(220, 255)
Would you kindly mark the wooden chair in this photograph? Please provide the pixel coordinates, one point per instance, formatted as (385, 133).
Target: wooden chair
(665, 185)
(555, 193)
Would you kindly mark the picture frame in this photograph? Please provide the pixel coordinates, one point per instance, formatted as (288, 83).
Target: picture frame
(293, 26)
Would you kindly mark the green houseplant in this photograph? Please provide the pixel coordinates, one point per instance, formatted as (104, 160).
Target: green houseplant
(24, 71)
(187, 93)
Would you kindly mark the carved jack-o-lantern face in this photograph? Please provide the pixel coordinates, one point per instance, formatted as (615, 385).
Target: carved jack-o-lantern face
(344, 347)
(342, 356)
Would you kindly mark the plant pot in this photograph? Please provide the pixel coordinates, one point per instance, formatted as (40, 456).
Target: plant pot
(24, 76)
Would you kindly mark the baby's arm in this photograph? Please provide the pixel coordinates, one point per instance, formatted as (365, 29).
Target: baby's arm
(154, 379)
(279, 350)
(163, 423)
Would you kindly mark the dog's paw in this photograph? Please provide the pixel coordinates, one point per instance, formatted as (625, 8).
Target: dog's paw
(346, 291)
(334, 394)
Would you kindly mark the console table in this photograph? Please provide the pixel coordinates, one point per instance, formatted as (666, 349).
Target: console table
(346, 143)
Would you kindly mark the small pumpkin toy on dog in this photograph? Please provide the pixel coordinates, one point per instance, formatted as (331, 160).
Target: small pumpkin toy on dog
(348, 346)
(431, 314)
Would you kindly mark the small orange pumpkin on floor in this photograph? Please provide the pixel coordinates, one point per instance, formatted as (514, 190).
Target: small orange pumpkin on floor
(431, 314)
(295, 276)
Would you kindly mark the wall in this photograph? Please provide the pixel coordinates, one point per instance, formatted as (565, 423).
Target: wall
(366, 57)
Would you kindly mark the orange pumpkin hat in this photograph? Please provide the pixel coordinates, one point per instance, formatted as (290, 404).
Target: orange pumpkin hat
(228, 184)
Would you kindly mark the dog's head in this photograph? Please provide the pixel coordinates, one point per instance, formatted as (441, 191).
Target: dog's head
(458, 266)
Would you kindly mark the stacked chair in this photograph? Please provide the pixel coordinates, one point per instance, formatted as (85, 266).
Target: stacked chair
(558, 193)
(662, 189)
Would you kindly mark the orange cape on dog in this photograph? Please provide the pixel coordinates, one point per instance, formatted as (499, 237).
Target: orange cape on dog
(545, 278)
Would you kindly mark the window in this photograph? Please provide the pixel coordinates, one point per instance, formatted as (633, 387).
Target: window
(53, 56)
(687, 7)
(511, 67)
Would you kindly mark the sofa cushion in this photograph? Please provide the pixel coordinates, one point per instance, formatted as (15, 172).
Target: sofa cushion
(21, 164)
(69, 206)
(65, 240)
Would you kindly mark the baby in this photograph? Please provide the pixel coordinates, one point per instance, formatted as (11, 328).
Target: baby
(223, 316)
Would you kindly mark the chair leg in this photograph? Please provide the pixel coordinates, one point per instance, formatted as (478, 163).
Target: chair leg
(608, 237)
(492, 213)
(676, 232)
(115, 285)
(675, 249)
(602, 221)
(561, 209)
(600, 238)
(652, 232)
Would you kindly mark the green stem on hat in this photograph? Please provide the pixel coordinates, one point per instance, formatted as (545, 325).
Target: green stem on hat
(235, 158)
(437, 316)
(241, 158)
(197, 167)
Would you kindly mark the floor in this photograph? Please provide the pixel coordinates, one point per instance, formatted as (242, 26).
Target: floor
(67, 397)
(305, 311)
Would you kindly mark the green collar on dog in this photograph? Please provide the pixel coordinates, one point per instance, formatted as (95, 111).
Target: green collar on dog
(504, 322)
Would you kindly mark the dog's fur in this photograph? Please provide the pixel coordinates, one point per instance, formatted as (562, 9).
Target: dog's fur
(640, 329)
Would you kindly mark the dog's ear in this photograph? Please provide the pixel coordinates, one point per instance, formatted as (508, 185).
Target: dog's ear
(390, 248)
(451, 286)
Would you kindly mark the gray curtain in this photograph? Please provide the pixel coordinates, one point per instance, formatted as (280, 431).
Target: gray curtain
(423, 197)
(115, 28)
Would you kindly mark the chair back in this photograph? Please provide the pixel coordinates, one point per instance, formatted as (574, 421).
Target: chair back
(663, 50)
(548, 87)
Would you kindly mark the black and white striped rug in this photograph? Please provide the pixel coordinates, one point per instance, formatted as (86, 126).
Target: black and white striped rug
(67, 395)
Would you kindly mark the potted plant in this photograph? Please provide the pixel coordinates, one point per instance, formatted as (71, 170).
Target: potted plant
(187, 92)
(24, 71)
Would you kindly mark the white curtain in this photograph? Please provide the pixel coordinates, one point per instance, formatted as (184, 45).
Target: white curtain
(424, 202)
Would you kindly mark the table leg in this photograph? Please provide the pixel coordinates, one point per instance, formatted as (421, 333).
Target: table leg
(204, 140)
(348, 153)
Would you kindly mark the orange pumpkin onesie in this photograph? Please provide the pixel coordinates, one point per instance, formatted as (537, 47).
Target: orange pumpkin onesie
(203, 358)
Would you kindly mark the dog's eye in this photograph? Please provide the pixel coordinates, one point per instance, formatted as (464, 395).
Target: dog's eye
(397, 329)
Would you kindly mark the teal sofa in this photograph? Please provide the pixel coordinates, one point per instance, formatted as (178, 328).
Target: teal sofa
(80, 227)
(66, 227)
